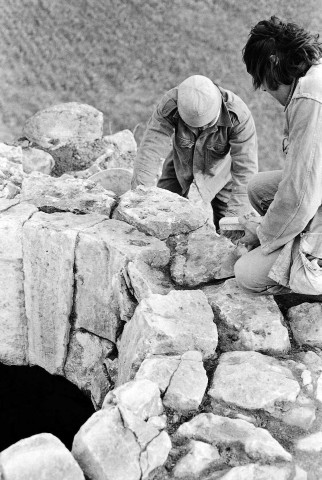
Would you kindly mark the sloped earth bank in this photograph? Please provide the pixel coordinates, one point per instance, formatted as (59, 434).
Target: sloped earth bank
(133, 300)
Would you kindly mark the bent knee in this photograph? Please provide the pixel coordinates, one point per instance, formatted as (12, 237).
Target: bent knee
(245, 274)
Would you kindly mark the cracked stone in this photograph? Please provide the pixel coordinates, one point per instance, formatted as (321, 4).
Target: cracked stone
(155, 454)
(141, 397)
(200, 456)
(187, 385)
(247, 321)
(158, 212)
(85, 364)
(103, 300)
(40, 456)
(13, 325)
(159, 369)
(105, 449)
(49, 242)
(167, 325)
(306, 324)
(256, 443)
(252, 381)
(202, 256)
(145, 281)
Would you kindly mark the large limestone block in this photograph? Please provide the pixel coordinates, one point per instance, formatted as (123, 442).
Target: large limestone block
(247, 321)
(38, 457)
(85, 364)
(105, 449)
(167, 325)
(141, 397)
(202, 256)
(13, 321)
(103, 299)
(66, 194)
(64, 122)
(199, 458)
(306, 324)
(256, 443)
(158, 212)
(187, 385)
(49, 243)
(144, 281)
(252, 381)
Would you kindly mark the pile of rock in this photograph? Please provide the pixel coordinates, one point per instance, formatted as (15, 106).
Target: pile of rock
(132, 299)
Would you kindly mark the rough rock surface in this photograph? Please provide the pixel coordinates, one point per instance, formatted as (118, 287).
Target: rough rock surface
(256, 443)
(254, 471)
(124, 140)
(247, 321)
(252, 381)
(202, 256)
(103, 299)
(306, 324)
(159, 369)
(159, 212)
(187, 385)
(84, 364)
(13, 320)
(115, 445)
(66, 194)
(141, 397)
(49, 243)
(11, 177)
(36, 160)
(38, 457)
(200, 456)
(143, 281)
(167, 324)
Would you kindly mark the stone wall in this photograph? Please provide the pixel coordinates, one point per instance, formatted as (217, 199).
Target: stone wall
(133, 299)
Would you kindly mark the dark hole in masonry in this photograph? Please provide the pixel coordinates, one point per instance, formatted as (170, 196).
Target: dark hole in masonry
(33, 401)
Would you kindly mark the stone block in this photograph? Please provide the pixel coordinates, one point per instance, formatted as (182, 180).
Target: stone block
(306, 324)
(246, 321)
(103, 299)
(38, 457)
(167, 325)
(49, 243)
(199, 458)
(158, 212)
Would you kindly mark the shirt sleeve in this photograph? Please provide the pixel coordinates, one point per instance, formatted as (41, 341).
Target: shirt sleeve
(299, 193)
(244, 164)
(155, 144)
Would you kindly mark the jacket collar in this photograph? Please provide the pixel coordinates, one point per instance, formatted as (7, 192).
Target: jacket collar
(224, 117)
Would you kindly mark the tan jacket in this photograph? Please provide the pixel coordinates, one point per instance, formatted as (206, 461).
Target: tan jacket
(227, 150)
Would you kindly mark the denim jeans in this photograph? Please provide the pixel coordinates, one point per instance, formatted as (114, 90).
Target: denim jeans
(252, 269)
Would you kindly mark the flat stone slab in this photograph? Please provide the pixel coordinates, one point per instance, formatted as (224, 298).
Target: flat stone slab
(252, 381)
(202, 256)
(187, 385)
(167, 325)
(41, 456)
(257, 444)
(158, 212)
(306, 324)
(247, 321)
(66, 194)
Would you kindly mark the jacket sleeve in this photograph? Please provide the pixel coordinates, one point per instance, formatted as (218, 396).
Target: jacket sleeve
(244, 164)
(154, 145)
(299, 193)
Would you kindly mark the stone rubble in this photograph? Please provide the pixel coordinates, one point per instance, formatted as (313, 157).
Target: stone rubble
(99, 300)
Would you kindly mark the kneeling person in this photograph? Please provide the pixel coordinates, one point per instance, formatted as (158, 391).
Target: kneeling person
(214, 144)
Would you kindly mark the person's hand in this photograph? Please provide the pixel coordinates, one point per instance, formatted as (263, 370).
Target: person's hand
(250, 222)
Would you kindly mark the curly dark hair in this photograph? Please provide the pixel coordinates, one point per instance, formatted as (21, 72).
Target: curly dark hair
(278, 52)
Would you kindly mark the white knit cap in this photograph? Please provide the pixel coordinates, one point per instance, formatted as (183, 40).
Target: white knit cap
(199, 101)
